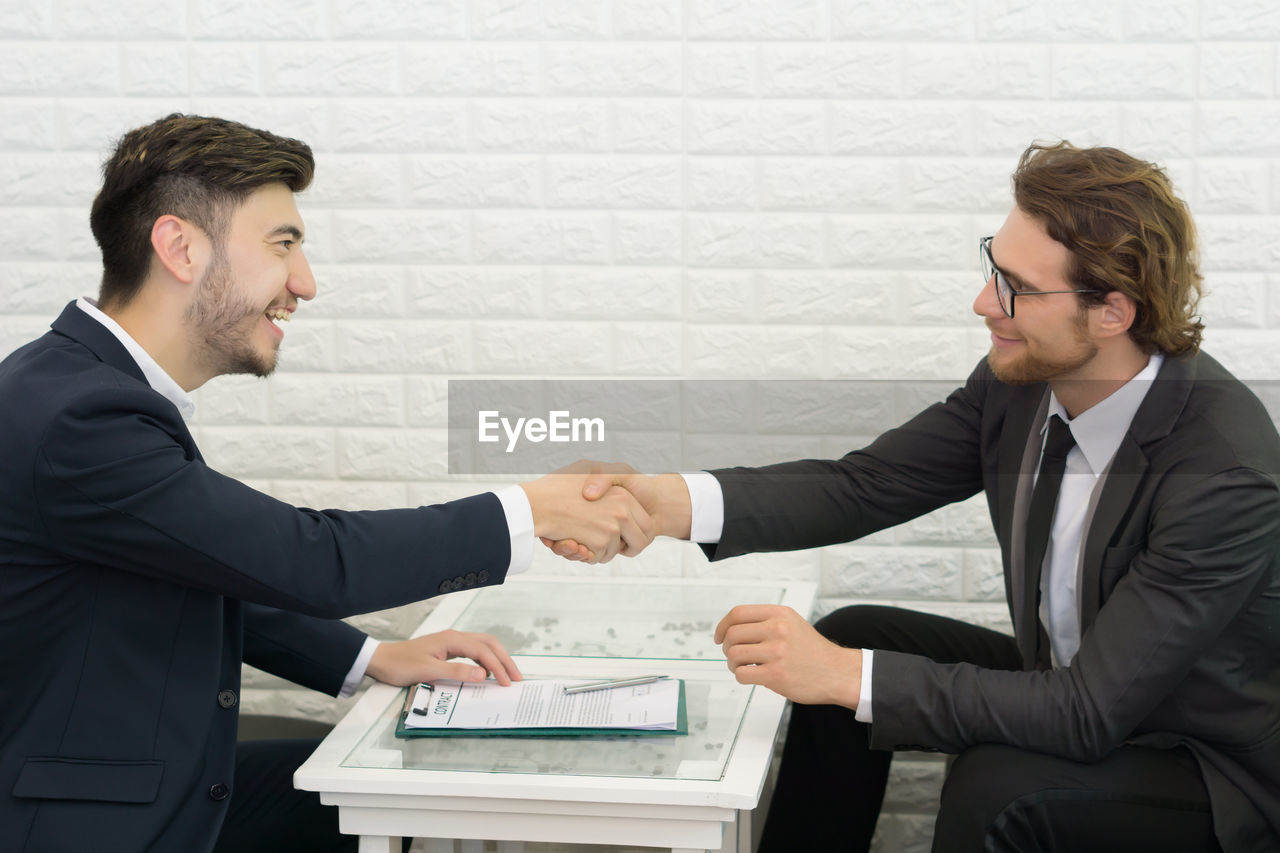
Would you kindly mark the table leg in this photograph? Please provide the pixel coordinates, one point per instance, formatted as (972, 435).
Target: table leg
(744, 832)
(379, 844)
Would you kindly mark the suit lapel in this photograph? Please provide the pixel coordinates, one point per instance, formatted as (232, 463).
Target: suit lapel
(1018, 453)
(1154, 420)
(1025, 414)
(1120, 484)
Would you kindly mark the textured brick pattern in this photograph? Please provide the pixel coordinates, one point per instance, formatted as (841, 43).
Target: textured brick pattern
(627, 188)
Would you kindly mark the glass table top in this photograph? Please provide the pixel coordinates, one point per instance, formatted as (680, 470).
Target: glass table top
(716, 708)
(589, 619)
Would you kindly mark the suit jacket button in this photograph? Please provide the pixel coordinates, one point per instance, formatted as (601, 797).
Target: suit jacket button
(445, 586)
(470, 579)
(219, 792)
(482, 576)
(227, 698)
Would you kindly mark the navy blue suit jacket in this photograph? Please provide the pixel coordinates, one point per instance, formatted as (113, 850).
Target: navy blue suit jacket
(134, 580)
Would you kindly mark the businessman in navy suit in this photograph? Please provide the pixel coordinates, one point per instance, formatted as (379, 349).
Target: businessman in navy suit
(134, 579)
(1137, 707)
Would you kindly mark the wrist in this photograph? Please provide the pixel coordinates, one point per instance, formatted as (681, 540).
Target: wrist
(536, 492)
(849, 687)
(673, 515)
(377, 664)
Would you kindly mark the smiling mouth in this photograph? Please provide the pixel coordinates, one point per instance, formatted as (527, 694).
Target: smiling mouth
(280, 315)
(1001, 341)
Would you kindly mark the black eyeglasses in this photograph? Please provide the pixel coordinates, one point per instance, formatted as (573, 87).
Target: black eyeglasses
(1004, 291)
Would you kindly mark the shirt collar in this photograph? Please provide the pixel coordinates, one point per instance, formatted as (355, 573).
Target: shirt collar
(1099, 430)
(160, 381)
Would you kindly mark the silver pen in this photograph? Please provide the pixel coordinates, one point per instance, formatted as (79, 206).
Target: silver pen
(618, 682)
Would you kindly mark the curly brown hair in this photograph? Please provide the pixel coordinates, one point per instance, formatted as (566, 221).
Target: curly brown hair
(194, 167)
(1127, 231)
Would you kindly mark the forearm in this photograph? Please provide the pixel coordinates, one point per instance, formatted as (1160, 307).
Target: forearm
(313, 652)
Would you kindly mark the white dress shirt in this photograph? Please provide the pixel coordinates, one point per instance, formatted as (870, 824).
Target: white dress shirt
(1098, 433)
(515, 503)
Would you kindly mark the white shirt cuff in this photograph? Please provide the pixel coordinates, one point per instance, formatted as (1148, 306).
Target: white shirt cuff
(706, 504)
(357, 671)
(863, 714)
(515, 505)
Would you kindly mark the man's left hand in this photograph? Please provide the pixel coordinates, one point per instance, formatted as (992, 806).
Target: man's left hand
(774, 646)
(426, 658)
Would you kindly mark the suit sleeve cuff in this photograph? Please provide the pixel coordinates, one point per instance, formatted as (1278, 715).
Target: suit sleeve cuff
(706, 505)
(515, 505)
(356, 674)
(863, 713)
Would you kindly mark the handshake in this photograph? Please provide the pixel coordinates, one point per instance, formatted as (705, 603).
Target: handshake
(592, 511)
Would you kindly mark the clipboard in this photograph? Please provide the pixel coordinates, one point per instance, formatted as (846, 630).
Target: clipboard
(403, 731)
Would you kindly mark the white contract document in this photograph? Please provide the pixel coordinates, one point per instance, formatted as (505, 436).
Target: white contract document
(543, 704)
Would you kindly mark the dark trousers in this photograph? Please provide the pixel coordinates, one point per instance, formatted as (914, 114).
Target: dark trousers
(996, 798)
(268, 814)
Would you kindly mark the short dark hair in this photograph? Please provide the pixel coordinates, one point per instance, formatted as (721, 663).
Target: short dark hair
(1127, 231)
(194, 167)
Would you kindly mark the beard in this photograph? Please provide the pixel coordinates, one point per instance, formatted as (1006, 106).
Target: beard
(1031, 368)
(225, 324)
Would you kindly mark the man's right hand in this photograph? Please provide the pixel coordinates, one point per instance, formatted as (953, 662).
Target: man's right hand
(665, 497)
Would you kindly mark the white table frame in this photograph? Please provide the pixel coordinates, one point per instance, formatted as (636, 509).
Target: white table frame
(682, 815)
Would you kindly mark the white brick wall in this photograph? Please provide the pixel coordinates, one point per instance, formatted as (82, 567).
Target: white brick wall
(669, 188)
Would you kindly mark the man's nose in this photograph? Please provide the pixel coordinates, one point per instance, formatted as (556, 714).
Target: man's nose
(302, 283)
(988, 304)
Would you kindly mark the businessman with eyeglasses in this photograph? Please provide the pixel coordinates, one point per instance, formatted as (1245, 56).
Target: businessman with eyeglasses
(1132, 483)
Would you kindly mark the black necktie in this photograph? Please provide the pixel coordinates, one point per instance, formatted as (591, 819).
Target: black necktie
(1053, 460)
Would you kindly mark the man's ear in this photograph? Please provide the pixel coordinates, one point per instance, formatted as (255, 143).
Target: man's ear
(1115, 315)
(179, 247)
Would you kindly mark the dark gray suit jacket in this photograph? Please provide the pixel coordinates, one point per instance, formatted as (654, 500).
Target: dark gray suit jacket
(134, 580)
(1179, 580)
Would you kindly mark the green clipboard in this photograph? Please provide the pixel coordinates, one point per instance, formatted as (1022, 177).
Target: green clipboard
(682, 726)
